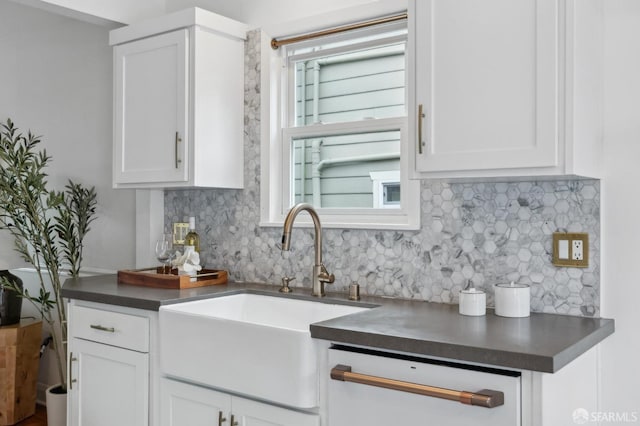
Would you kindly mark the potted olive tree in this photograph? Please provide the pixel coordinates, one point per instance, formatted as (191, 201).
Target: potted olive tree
(48, 228)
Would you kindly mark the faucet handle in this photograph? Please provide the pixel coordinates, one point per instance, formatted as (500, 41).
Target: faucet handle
(285, 284)
(325, 276)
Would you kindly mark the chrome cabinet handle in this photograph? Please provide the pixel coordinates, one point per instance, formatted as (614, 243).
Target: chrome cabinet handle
(71, 379)
(420, 120)
(221, 419)
(178, 140)
(101, 328)
(484, 398)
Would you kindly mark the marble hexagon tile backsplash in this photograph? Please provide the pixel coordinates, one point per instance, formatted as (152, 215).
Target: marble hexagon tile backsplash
(483, 233)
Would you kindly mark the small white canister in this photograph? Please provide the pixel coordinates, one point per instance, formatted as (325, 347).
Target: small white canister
(473, 302)
(512, 300)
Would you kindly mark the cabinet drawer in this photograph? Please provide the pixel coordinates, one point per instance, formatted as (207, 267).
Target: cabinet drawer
(113, 328)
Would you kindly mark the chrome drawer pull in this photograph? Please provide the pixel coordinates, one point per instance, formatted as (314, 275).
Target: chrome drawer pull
(101, 328)
(420, 119)
(71, 379)
(484, 398)
(178, 160)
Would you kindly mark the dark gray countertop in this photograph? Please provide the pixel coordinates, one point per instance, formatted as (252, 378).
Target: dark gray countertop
(105, 289)
(541, 342)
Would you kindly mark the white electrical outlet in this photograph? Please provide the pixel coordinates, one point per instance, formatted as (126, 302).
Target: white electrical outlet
(577, 251)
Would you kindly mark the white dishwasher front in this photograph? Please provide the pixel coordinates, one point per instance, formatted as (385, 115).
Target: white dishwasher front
(372, 388)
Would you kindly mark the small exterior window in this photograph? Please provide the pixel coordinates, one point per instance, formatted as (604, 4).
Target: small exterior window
(391, 194)
(386, 189)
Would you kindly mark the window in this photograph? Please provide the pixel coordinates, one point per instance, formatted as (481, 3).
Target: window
(386, 189)
(342, 125)
(334, 171)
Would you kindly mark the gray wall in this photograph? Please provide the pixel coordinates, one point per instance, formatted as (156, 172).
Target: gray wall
(56, 78)
(483, 232)
(620, 230)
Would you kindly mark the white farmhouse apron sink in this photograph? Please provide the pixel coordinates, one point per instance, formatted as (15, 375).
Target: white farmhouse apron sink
(249, 344)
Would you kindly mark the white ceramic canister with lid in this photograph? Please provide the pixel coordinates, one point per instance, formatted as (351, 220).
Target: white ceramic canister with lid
(473, 302)
(512, 300)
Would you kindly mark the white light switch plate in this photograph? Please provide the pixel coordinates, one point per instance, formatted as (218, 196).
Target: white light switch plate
(563, 249)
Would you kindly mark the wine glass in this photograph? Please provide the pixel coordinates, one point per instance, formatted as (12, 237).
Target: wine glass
(163, 252)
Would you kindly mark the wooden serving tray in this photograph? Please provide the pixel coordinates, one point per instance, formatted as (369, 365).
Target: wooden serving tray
(151, 278)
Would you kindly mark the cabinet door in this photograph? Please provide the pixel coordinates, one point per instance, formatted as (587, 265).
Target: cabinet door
(151, 106)
(191, 405)
(252, 413)
(108, 385)
(486, 78)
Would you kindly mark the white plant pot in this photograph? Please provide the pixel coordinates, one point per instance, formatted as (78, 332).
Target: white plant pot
(56, 407)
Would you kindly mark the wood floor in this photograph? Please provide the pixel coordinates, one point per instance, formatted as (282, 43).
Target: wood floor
(38, 419)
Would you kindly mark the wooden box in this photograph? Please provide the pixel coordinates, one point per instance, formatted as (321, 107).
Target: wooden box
(151, 278)
(19, 362)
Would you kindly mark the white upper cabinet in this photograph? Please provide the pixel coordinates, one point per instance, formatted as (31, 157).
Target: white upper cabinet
(179, 102)
(151, 109)
(506, 88)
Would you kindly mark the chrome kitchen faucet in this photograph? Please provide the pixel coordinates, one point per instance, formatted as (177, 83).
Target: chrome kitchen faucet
(320, 274)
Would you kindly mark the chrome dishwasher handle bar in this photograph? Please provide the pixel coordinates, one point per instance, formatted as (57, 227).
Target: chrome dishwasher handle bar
(484, 398)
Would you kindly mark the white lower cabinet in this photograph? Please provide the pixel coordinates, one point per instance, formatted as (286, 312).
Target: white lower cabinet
(111, 386)
(186, 404)
(108, 378)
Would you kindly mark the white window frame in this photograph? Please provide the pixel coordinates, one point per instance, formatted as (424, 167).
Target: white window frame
(274, 157)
